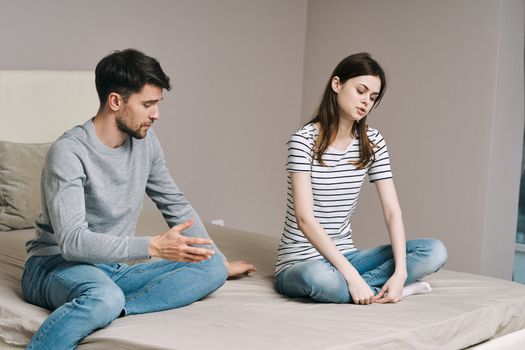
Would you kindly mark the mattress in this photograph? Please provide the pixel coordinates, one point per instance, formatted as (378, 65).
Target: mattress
(246, 313)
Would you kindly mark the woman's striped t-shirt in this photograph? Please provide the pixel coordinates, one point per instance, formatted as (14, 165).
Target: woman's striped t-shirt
(335, 188)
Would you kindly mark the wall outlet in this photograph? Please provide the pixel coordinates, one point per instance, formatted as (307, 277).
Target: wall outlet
(218, 222)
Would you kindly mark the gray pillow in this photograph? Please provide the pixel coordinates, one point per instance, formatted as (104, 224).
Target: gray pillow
(20, 169)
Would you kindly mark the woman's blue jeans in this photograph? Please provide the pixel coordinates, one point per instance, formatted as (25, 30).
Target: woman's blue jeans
(319, 280)
(85, 297)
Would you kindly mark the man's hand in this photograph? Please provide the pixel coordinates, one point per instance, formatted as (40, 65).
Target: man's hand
(172, 245)
(237, 268)
(392, 291)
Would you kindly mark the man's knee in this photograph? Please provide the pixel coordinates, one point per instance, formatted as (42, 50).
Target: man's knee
(103, 303)
(216, 271)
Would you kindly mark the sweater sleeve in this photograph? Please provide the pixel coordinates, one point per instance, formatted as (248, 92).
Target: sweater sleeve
(169, 199)
(63, 190)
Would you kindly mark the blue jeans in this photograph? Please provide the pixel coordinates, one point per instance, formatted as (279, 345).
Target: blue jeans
(85, 297)
(319, 280)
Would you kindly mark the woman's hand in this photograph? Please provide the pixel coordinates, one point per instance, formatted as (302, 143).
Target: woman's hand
(392, 291)
(237, 268)
(360, 291)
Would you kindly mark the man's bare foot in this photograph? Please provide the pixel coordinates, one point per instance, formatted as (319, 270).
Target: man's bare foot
(238, 268)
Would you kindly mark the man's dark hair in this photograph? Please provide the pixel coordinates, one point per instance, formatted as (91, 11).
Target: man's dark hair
(126, 72)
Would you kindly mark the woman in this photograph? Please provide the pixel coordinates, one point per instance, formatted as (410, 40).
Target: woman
(327, 162)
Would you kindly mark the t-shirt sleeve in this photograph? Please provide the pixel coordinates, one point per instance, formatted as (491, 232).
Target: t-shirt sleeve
(380, 167)
(299, 155)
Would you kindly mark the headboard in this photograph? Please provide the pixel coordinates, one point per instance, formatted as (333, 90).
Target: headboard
(38, 106)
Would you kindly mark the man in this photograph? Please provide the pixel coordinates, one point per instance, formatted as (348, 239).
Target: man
(93, 184)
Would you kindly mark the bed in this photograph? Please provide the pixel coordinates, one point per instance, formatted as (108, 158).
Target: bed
(462, 311)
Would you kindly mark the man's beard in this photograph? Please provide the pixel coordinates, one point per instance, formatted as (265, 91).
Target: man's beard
(134, 133)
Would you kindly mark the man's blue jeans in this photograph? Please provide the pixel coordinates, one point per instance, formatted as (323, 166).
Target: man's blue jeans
(85, 297)
(319, 280)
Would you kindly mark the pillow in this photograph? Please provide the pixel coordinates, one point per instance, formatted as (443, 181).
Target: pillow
(20, 169)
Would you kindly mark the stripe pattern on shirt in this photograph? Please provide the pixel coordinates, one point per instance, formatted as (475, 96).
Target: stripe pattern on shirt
(335, 188)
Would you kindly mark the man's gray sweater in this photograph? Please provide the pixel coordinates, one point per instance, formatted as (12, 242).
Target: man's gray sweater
(92, 196)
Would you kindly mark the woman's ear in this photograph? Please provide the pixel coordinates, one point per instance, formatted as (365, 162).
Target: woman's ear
(336, 84)
(114, 101)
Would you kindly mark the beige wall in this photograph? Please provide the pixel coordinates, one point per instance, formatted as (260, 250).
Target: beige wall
(452, 116)
(237, 71)
(506, 143)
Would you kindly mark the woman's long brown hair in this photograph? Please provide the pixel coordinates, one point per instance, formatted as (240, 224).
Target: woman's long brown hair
(327, 114)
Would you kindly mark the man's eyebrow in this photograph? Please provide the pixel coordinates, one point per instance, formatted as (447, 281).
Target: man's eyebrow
(366, 87)
(153, 101)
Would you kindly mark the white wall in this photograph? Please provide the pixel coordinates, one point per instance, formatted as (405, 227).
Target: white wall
(237, 70)
(452, 116)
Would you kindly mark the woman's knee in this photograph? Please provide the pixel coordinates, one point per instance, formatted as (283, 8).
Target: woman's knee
(317, 280)
(425, 256)
(438, 254)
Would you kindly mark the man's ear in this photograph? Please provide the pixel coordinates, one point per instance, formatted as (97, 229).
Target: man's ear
(336, 84)
(115, 101)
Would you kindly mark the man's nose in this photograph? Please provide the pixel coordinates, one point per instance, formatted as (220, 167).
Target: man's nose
(155, 114)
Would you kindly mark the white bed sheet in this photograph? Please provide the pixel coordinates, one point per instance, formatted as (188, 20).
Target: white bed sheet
(462, 310)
